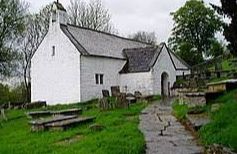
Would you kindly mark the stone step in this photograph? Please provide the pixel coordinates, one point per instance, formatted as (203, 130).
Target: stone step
(38, 125)
(62, 125)
(67, 112)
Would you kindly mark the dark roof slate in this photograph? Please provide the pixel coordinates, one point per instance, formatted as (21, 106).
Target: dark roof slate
(140, 56)
(139, 59)
(97, 43)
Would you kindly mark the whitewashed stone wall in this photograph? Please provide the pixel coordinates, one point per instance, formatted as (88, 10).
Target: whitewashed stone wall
(163, 64)
(98, 65)
(56, 79)
(132, 82)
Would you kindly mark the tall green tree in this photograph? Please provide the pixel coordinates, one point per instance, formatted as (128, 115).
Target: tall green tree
(194, 31)
(12, 13)
(229, 9)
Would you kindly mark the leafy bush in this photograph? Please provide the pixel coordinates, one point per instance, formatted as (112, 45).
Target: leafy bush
(4, 94)
(180, 109)
(16, 94)
(223, 127)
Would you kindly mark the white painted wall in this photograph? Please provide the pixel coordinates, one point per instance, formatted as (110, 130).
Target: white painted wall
(163, 64)
(98, 65)
(132, 82)
(56, 79)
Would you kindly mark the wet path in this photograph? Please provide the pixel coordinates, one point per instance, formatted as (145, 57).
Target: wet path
(163, 133)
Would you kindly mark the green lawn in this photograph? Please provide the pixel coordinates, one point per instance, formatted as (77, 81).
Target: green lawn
(180, 110)
(120, 135)
(223, 127)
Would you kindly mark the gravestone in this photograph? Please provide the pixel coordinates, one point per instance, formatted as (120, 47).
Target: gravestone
(105, 93)
(35, 105)
(115, 91)
(96, 127)
(121, 101)
(104, 104)
(138, 94)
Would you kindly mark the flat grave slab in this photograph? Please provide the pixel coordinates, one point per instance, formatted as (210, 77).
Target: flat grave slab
(38, 125)
(67, 112)
(62, 125)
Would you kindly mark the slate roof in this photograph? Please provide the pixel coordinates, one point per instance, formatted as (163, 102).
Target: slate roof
(143, 59)
(140, 56)
(140, 59)
(91, 42)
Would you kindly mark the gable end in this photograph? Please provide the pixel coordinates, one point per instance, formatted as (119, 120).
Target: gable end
(79, 47)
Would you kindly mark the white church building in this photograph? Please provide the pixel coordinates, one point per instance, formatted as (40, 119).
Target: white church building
(74, 64)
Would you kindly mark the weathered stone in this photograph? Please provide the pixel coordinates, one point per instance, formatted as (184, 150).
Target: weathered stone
(67, 123)
(198, 120)
(138, 94)
(215, 107)
(66, 112)
(39, 125)
(38, 114)
(35, 105)
(96, 127)
(115, 90)
(121, 101)
(105, 93)
(218, 149)
(163, 134)
(104, 104)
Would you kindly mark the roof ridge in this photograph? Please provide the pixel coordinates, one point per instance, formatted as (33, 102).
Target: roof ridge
(106, 33)
(148, 47)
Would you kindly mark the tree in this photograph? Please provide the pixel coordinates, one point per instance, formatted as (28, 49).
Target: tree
(217, 48)
(194, 30)
(36, 28)
(12, 13)
(90, 15)
(229, 9)
(148, 37)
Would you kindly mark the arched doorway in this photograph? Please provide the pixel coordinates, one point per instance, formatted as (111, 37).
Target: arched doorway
(165, 85)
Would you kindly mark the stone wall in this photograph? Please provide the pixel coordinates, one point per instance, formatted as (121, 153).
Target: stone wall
(137, 82)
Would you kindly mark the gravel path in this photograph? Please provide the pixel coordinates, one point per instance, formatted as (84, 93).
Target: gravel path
(163, 133)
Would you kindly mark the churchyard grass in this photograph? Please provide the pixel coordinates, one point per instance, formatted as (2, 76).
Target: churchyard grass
(223, 127)
(120, 133)
(180, 110)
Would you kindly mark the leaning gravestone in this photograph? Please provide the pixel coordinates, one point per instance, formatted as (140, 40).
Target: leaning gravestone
(105, 93)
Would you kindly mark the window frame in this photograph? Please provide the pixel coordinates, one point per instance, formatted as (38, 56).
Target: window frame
(99, 79)
(53, 51)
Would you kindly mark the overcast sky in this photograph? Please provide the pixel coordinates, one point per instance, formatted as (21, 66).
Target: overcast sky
(129, 16)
